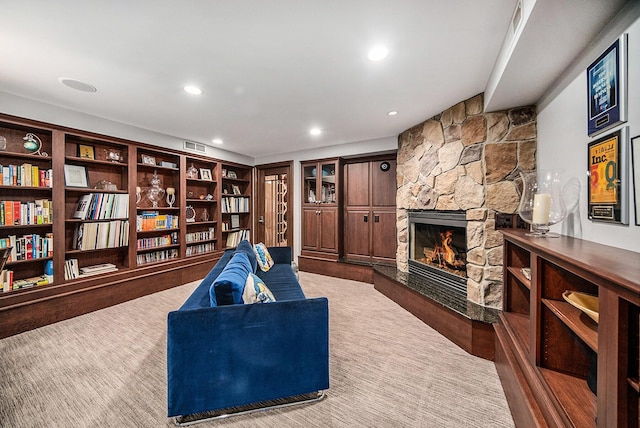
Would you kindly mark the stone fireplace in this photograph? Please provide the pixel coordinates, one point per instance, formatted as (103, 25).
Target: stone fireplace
(466, 161)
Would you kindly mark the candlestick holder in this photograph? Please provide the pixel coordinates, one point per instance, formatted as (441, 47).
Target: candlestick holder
(171, 196)
(541, 203)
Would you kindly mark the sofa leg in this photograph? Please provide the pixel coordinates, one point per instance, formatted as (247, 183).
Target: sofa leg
(249, 408)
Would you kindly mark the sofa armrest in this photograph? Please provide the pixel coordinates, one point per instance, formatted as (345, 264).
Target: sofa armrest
(234, 355)
(280, 254)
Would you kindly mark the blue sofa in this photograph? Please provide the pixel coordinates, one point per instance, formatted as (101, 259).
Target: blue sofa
(241, 354)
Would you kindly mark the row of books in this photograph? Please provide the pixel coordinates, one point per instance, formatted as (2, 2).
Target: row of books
(108, 234)
(200, 248)
(102, 206)
(231, 204)
(153, 220)
(73, 271)
(7, 283)
(14, 213)
(201, 236)
(234, 238)
(157, 256)
(157, 241)
(25, 175)
(28, 247)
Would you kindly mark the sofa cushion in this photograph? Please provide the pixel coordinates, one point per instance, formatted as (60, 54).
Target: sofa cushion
(228, 286)
(256, 291)
(245, 247)
(282, 282)
(262, 255)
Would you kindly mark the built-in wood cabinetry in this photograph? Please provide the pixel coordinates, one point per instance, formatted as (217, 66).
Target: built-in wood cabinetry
(549, 353)
(320, 213)
(369, 209)
(146, 214)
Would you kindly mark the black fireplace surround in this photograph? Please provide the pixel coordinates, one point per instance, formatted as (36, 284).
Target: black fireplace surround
(438, 248)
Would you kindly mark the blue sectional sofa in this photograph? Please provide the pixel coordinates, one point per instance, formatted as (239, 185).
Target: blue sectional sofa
(240, 354)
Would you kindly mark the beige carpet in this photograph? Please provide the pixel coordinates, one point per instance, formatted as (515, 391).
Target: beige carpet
(388, 369)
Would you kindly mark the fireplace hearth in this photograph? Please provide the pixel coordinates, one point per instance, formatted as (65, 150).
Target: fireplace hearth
(438, 248)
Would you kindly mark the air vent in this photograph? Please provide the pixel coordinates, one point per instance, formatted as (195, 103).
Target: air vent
(196, 147)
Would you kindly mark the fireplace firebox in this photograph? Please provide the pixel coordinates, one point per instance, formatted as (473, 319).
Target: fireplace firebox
(438, 248)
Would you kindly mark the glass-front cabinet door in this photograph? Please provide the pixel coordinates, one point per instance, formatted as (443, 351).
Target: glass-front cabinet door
(320, 182)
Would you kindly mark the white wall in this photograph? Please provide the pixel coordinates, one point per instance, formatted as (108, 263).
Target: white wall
(563, 139)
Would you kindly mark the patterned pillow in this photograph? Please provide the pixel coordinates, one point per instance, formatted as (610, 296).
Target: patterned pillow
(255, 291)
(264, 258)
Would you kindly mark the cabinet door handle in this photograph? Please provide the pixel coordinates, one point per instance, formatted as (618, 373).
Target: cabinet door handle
(366, 218)
(376, 218)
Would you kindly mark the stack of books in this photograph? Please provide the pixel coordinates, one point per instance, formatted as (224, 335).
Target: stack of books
(97, 269)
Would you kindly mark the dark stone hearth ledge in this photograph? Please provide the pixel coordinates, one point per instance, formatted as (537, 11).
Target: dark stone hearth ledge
(441, 295)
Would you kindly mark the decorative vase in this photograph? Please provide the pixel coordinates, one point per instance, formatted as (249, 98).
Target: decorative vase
(542, 203)
(155, 192)
(171, 196)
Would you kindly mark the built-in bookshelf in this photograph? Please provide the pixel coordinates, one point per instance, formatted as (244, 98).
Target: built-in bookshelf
(26, 211)
(235, 203)
(201, 205)
(120, 211)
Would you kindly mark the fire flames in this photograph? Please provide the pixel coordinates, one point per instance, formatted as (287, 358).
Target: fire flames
(443, 254)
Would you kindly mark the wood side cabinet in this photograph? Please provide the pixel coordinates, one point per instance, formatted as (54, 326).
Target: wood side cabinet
(320, 214)
(550, 355)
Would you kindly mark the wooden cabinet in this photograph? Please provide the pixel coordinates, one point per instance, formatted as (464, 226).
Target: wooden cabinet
(201, 205)
(369, 209)
(550, 355)
(320, 214)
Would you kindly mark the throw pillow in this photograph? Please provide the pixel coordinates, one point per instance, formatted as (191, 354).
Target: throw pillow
(228, 286)
(245, 246)
(262, 255)
(256, 291)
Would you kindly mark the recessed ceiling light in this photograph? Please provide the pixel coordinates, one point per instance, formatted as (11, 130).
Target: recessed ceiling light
(315, 131)
(193, 90)
(378, 53)
(77, 85)
(392, 113)
(216, 141)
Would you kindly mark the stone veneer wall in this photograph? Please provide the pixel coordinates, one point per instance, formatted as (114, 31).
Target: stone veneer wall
(465, 159)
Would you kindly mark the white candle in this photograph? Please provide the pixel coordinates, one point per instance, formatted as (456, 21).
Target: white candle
(541, 207)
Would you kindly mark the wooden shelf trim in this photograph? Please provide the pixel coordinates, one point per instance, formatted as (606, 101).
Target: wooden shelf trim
(517, 273)
(573, 395)
(583, 326)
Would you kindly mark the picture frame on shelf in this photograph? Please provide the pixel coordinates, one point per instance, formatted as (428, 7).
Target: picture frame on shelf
(607, 191)
(635, 166)
(236, 189)
(75, 176)
(224, 173)
(235, 221)
(607, 88)
(113, 155)
(232, 175)
(148, 160)
(205, 174)
(86, 151)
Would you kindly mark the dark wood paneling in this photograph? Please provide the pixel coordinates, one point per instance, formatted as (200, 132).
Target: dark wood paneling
(356, 184)
(384, 234)
(336, 269)
(328, 229)
(357, 241)
(309, 228)
(383, 184)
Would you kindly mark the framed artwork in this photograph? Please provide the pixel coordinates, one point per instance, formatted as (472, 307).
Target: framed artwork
(232, 174)
(608, 178)
(148, 160)
(607, 88)
(224, 172)
(635, 166)
(205, 174)
(236, 189)
(75, 176)
(86, 151)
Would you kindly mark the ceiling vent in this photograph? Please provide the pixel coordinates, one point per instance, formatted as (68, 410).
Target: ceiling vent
(196, 147)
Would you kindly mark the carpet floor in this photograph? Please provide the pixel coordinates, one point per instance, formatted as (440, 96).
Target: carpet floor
(387, 369)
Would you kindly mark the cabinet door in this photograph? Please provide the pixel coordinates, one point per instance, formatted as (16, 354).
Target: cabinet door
(357, 238)
(383, 183)
(328, 229)
(310, 229)
(357, 184)
(384, 234)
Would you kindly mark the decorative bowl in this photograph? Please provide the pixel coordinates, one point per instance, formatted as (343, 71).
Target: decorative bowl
(587, 303)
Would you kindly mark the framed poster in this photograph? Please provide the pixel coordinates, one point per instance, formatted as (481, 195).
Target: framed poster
(608, 179)
(635, 166)
(75, 176)
(607, 88)
(86, 152)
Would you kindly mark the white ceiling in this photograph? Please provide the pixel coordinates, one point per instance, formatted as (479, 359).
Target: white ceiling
(270, 70)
